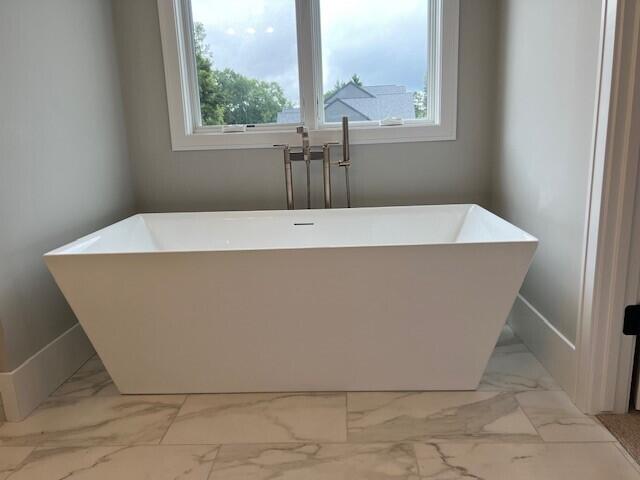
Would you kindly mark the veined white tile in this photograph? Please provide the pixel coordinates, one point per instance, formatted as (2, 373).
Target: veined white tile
(518, 370)
(558, 420)
(109, 463)
(464, 416)
(316, 462)
(76, 421)
(11, 458)
(546, 461)
(260, 418)
(90, 380)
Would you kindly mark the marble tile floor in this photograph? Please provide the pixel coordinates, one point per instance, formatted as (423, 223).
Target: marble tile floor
(519, 425)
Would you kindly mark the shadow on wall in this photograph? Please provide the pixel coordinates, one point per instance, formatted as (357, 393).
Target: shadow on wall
(254, 180)
(3, 358)
(67, 175)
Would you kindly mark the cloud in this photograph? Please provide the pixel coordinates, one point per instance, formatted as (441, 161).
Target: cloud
(383, 42)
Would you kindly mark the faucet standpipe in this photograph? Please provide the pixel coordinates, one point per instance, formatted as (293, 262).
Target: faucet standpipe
(346, 157)
(307, 154)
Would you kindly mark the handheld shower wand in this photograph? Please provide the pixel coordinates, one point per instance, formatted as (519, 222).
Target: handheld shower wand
(306, 155)
(346, 157)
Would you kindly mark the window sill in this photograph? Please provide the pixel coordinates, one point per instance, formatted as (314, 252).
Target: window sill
(363, 135)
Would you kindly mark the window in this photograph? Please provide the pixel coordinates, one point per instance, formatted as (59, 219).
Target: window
(244, 73)
(240, 82)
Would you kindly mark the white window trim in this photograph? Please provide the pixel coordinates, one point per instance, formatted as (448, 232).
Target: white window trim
(187, 133)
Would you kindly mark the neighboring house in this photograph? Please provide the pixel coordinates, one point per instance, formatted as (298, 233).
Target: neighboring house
(375, 102)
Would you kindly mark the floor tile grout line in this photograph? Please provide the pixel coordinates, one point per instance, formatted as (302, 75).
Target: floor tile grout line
(555, 442)
(53, 394)
(346, 417)
(213, 462)
(408, 444)
(616, 445)
(411, 444)
(347, 439)
(172, 421)
(24, 462)
(524, 412)
(439, 440)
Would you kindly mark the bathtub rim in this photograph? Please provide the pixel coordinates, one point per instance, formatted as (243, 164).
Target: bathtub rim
(61, 251)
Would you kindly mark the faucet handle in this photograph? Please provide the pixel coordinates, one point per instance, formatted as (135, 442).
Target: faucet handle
(302, 129)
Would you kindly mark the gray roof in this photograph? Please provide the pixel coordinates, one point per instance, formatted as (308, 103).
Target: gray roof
(350, 90)
(385, 89)
(373, 102)
(338, 108)
(384, 106)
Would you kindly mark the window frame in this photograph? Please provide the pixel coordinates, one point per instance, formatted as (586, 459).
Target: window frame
(187, 132)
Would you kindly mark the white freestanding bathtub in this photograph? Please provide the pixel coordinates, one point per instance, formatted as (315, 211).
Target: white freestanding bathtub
(397, 298)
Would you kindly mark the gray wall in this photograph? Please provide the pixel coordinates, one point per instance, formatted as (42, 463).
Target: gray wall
(64, 167)
(63, 156)
(419, 173)
(547, 84)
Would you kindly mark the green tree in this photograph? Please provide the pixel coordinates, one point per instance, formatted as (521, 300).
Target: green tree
(210, 108)
(247, 100)
(421, 101)
(420, 104)
(230, 98)
(355, 79)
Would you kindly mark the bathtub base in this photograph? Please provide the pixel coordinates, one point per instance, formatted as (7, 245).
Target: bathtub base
(422, 317)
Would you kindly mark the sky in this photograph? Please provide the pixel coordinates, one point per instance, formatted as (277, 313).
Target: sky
(383, 42)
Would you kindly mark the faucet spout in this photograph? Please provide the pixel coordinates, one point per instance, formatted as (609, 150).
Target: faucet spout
(306, 148)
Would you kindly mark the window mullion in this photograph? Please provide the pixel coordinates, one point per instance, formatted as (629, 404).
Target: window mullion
(190, 74)
(309, 61)
(434, 72)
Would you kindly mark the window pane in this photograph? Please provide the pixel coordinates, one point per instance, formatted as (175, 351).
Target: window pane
(374, 59)
(247, 61)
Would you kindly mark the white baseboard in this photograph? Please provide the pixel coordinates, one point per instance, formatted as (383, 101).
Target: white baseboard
(31, 383)
(556, 353)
